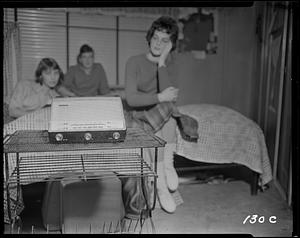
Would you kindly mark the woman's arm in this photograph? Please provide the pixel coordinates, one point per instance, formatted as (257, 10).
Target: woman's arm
(137, 99)
(25, 99)
(133, 96)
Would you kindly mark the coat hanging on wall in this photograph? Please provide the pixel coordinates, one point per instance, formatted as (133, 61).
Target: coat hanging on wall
(197, 31)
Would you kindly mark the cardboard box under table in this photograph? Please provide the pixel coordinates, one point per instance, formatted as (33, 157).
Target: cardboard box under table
(82, 206)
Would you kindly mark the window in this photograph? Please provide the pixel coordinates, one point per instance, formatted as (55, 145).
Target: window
(54, 33)
(8, 15)
(43, 34)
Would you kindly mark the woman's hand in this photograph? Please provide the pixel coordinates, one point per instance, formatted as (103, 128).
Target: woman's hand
(49, 102)
(170, 94)
(164, 54)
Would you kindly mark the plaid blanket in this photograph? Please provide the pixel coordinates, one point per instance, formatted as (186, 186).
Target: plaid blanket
(16, 205)
(154, 119)
(226, 136)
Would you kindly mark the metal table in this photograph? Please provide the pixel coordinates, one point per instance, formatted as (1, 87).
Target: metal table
(84, 160)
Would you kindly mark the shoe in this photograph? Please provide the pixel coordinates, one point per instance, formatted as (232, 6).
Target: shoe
(166, 200)
(170, 172)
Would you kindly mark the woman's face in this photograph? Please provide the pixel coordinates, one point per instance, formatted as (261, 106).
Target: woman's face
(87, 60)
(50, 77)
(159, 42)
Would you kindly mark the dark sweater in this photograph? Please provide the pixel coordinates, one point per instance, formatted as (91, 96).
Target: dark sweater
(141, 83)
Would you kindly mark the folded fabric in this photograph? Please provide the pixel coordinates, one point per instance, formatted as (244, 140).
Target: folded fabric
(154, 119)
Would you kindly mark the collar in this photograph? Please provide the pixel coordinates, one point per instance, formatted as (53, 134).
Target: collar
(82, 69)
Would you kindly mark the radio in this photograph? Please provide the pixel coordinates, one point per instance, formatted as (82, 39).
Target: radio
(87, 120)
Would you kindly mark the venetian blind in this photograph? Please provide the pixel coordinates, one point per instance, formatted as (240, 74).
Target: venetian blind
(43, 34)
(8, 15)
(100, 33)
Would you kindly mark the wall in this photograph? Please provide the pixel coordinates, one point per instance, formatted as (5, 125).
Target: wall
(226, 78)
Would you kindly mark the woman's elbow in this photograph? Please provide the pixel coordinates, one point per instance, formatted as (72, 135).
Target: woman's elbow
(131, 100)
(14, 112)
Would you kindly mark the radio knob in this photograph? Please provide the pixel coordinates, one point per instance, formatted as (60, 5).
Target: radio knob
(87, 136)
(116, 135)
(58, 137)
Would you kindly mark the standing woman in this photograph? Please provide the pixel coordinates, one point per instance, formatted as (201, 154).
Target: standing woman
(87, 78)
(30, 95)
(150, 82)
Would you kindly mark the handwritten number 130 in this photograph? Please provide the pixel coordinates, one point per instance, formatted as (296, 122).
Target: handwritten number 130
(261, 219)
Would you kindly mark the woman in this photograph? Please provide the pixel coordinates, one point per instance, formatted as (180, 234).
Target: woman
(30, 95)
(87, 78)
(150, 90)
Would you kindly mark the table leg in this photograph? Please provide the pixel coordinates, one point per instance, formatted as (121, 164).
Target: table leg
(254, 183)
(155, 179)
(7, 188)
(147, 213)
(18, 177)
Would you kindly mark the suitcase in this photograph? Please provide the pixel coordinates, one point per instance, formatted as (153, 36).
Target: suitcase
(87, 205)
(83, 206)
(51, 214)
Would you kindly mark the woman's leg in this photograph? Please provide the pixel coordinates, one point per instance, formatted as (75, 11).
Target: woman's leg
(169, 135)
(166, 200)
(167, 176)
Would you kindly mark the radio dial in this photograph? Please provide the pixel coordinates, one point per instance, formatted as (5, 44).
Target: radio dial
(87, 136)
(58, 137)
(116, 135)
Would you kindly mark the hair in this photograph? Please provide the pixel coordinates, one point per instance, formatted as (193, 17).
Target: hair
(46, 64)
(166, 24)
(84, 49)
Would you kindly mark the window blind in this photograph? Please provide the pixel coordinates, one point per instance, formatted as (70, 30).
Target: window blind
(135, 23)
(92, 21)
(8, 14)
(43, 34)
(100, 33)
(103, 43)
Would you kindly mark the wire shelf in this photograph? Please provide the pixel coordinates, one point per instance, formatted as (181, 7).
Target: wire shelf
(38, 141)
(85, 166)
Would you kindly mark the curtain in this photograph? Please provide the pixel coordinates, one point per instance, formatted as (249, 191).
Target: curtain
(11, 58)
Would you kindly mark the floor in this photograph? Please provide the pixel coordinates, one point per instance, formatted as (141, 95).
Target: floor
(219, 207)
(222, 208)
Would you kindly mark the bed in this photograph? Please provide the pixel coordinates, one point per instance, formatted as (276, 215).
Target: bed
(225, 137)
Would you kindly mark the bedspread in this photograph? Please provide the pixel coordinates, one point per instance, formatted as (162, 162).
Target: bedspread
(226, 136)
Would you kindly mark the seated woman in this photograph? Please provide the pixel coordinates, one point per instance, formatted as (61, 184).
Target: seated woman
(31, 95)
(87, 78)
(150, 90)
